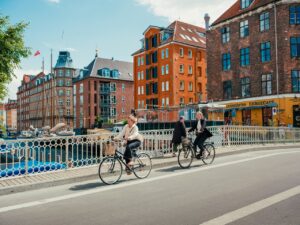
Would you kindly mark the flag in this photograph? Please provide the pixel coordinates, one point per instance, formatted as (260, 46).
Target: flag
(37, 53)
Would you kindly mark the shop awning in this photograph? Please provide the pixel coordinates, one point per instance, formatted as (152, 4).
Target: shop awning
(269, 105)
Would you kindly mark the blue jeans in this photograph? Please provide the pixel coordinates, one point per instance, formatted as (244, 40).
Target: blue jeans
(128, 151)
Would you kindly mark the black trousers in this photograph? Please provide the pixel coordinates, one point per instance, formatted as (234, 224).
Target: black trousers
(199, 141)
(128, 151)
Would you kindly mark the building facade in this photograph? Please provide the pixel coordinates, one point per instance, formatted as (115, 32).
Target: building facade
(103, 91)
(253, 62)
(11, 115)
(46, 99)
(170, 70)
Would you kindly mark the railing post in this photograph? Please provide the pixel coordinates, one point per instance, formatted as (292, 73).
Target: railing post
(67, 153)
(26, 158)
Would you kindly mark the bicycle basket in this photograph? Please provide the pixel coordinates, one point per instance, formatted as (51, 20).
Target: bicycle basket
(185, 142)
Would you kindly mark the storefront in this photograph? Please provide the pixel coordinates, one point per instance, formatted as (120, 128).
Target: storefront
(282, 110)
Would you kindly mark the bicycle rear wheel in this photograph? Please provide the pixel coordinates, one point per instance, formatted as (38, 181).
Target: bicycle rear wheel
(185, 157)
(110, 170)
(208, 154)
(142, 165)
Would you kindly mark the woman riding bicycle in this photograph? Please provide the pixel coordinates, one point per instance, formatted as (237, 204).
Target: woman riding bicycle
(130, 134)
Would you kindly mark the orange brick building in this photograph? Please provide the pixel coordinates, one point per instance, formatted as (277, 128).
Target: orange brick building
(170, 71)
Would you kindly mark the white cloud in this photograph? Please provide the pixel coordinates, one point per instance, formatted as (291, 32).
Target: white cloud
(54, 1)
(16, 82)
(190, 11)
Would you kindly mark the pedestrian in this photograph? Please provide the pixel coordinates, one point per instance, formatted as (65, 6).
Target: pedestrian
(201, 133)
(178, 133)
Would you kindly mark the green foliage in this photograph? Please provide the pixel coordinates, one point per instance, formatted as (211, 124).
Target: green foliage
(12, 50)
(125, 122)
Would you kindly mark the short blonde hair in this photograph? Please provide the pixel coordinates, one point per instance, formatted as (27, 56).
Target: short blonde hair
(199, 113)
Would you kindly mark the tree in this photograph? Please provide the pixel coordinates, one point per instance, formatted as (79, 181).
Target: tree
(12, 50)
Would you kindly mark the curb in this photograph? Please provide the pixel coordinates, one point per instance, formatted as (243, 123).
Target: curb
(53, 183)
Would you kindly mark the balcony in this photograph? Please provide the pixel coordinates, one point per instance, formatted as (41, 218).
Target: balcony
(105, 103)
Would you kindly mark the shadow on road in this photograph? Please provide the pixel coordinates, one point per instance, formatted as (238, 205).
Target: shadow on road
(177, 168)
(89, 186)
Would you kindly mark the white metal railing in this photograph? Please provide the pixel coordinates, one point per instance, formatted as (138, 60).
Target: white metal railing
(28, 156)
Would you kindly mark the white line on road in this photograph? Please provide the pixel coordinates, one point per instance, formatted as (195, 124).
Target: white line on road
(131, 183)
(252, 208)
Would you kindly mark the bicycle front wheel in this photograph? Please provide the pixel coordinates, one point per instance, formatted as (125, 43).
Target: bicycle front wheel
(142, 165)
(110, 170)
(208, 154)
(185, 157)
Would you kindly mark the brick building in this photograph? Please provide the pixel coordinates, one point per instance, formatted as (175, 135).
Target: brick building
(103, 91)
(170, 70)
(11, 114)
(46, 99)
(253, 62)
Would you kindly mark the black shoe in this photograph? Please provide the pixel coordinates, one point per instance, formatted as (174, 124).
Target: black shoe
(198, 156)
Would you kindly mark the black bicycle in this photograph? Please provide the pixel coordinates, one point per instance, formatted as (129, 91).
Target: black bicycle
(111, 169)
(186, 154)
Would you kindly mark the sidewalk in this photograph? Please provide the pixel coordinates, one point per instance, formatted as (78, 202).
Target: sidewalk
(50, 179)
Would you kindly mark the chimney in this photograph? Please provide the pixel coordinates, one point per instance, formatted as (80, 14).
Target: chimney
(206, 18)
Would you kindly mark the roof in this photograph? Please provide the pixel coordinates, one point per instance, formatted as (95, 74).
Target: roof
(125, 68)
(235, 10)
(64, 60)
(182, 33)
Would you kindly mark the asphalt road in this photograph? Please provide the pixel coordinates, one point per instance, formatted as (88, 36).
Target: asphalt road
(250, 188)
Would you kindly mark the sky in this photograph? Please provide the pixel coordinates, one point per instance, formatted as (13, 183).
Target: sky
(114, 27)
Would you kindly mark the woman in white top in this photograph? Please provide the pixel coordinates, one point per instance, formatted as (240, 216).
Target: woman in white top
(130, 134)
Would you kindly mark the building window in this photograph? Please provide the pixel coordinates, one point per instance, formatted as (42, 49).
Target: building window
(68, 92)
(167, 85)
(181, 53)
(264, 21)
(227, 89)
(190, 53)
(190, 86)
(139, 75)
(167, 101)
(181, 68)
(68, 83)
(225, 33)
(142, 60)
(139, 90)
(181, 100)
(167, 69)
(123, 98)
(181, 88)
(123, 87)
(245, 84)
(68, 112)
(60, 102)
(68, 102)
(68, 73)
(154, 88)
(123, 110)
(60, 92)
(295, 14)
(142, 90)
(60, 73)
(190, 69)
(139, 61)
(167, 53)
(295, 81)
(142, 75)
(162, 54)
(226, 61)
(244, 29)
(295, 47)
(266, 84)
(162, 102)
(244, 57)
(162, 70)
(191, 100)
(265, 52)
(245, 3)
(162, 86)
(60, 83)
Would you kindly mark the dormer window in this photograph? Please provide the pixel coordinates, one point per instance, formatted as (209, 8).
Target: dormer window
(105, 72)
(245, 3)
(115, 74)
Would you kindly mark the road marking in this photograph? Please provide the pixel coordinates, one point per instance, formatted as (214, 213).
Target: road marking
(252, 208)
(131, 183)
